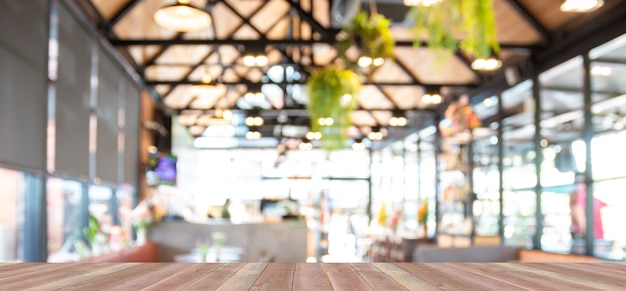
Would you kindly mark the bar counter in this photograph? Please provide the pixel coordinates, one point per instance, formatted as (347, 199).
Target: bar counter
(319, 276)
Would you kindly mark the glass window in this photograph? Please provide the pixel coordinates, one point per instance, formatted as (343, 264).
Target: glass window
(65, 210)
(10, 221)
(519, 176)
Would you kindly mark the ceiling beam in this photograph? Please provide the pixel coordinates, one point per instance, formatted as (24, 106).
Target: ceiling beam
(245, 82)
(530, 19)
(298, 112)
(328, 34)
(122, 12)
(274, 42)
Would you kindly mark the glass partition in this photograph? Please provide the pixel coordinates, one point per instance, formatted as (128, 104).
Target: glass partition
(65, 215)
(519, 175)
(11, 218)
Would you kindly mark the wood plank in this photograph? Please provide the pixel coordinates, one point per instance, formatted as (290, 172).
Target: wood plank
(170, 277)
(405, 278)
(591, 281)
(474, 278)
(344, 277)
(310, 277)
(244, 278)
(585, 271)
(79, 278)
(46, 274)
(115, 278)
(376, 278)
(523, 279)
(437, 278)
(276, 276)
(6, 267)
(34, 268)
(214, 279)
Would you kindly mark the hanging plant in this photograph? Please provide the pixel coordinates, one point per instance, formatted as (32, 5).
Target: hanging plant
(332, 97)
(447, 21)
(371, 34)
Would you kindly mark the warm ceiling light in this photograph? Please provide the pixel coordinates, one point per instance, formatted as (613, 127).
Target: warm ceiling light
(328, 121)
(398, 118)
(206, 77)
(254, 56)
(365, 61)
(489, 64)
(254, 121)
(375, 134)
(420, 2)
(253, 135)
(182, 17)
(432, 96)
(305, 145)
(314, 135)
(358, 145)
(581, 5)
(601, 71)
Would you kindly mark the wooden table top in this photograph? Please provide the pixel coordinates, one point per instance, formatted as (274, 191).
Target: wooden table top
(321, 276)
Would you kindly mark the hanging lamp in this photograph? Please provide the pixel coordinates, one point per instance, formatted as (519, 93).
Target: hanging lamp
(182, 17)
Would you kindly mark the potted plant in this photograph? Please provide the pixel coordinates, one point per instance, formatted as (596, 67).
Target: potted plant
(446, 21)
(332, 97)
(371, 34)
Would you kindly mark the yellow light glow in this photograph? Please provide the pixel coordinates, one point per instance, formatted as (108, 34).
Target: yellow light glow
(182, 17)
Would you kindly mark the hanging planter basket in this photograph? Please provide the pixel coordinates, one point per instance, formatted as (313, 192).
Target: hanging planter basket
(449, 25)
(332, 97)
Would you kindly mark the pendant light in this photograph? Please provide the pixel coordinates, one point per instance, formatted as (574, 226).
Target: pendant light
(182, 17)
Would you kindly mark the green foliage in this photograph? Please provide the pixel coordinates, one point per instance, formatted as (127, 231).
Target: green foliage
(326, 90)
(93, 227)
(371, 34)
(444, 23)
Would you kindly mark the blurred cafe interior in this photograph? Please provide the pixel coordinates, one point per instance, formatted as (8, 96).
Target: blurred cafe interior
(312, 131)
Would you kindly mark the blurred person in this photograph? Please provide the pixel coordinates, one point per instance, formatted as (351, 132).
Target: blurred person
(578, 202)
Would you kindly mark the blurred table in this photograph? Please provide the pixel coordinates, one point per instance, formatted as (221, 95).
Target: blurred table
(226, 255)
(318, 276)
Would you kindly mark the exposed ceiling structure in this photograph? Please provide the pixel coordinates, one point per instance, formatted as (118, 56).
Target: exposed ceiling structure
(297, 37)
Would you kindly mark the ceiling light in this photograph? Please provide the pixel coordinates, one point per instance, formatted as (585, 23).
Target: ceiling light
(305, 145)
(254, 94)
(398, 118)
(431, 96)
(253, 134)
(375, 133)
(182, 17)
(254, 56)
(206, 78)
(364, 61)
(314, 135)
(489, 64)
(601, 71)
(358, 145)
(420, 2)
(328, 121)
(581, 5)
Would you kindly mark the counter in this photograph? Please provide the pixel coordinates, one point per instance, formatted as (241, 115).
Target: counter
(319, 276)
(284, 241)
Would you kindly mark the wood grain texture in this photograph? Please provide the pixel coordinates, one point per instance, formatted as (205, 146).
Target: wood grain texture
(244, 278)
(405, 278)
(321, 276)
(170, 271)
(376, 278)
(275, 277)
(437, 278)
(214, 279)
(344, 277)
(310, 277)
(186, 275)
